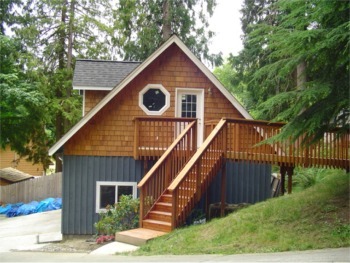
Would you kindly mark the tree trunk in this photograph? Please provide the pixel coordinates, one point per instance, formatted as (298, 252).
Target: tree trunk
(59, 93)
(70, 35)
(166, 29)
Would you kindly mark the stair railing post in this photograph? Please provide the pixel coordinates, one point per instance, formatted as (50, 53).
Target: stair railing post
(223, 170)
(198, 179)
(136, 139)
(142, 201)
(174, 209)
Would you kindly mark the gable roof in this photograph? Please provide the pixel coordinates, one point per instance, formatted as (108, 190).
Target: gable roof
(100, 74)
(172, 40)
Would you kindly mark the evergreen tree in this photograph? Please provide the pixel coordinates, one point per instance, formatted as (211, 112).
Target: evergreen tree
(300, 67)
(142, 26)
(56, 32)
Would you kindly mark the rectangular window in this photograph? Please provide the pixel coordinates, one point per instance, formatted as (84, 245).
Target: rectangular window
(109, 193)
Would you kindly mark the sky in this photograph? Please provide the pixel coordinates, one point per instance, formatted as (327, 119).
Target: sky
(227, 25)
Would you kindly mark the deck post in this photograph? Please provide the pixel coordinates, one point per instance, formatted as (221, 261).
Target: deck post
(290, 179)
(283, 172)
(223, 189)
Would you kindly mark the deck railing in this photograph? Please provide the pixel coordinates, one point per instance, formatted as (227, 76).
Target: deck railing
(154, 135)
(196, 176)
(156, 181)
(244, 139)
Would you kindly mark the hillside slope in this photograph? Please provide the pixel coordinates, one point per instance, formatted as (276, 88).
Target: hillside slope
(315, 218)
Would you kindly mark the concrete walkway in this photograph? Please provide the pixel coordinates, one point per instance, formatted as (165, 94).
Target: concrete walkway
(27, 232)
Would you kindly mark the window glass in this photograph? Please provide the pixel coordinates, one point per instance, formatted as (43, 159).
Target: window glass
(154, 99)
(189, 106)
(107, 195)
(124, 190)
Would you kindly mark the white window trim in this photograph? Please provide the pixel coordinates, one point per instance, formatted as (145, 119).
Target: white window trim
(167, 99)
(104, 183)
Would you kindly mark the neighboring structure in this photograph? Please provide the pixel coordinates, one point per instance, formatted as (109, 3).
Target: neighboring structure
(9, 158)
(106, 154)
(10, 176)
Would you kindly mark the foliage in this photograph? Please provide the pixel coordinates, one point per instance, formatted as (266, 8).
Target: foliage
(121, 216)
(281, 36)
(312, 219)
(142, 26)
(304, 178)
(23, 121)
(229, 77)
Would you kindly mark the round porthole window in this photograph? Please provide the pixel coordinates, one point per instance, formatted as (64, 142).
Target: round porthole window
(154, 99)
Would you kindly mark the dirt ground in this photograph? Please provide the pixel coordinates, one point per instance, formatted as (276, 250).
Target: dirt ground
(73, 245)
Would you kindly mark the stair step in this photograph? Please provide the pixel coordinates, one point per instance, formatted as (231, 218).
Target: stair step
(166, 198)
(163, 207)
(160, 216)
(138, 236)
(156, 225)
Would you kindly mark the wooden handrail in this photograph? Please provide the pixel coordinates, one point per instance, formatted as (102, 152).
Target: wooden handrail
(196, 176)
(196, 156)
(166, 154)
(155, 182)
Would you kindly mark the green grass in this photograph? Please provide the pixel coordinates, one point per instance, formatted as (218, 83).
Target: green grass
(315, 218)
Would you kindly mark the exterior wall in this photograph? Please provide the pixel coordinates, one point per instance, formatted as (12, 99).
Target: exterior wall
(92, 97)
(245, 183)
(80, 174)
(10, 158)
(111, 131)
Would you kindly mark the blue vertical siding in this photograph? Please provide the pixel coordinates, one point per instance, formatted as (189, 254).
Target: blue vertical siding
(245, 183)
(80, 174)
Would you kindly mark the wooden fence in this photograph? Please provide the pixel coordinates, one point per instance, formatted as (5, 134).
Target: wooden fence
(32, 190)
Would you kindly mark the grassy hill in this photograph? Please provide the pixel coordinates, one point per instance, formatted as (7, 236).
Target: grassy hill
(317, 217)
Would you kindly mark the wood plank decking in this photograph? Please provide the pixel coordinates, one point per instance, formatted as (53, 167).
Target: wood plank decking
(137, 236)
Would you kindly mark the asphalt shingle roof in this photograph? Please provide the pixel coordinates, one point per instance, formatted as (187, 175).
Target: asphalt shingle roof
(101, 73)
(13, 175)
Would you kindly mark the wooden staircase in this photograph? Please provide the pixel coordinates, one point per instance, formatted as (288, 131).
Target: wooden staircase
(159, 217)
(181, 188)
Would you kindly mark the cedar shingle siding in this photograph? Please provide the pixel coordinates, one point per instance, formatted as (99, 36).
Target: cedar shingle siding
(110, 132)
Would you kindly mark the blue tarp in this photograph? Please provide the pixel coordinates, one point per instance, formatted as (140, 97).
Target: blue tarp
(13, 211)
(27, 209)
(18, 209)
(4, 209)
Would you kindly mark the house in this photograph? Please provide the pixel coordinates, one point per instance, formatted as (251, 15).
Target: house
(9, 158)
(132, 113)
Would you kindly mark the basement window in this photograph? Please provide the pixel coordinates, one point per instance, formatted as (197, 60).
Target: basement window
(154, 99)
(109, 193)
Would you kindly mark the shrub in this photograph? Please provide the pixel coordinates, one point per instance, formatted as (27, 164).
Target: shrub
(121, 216)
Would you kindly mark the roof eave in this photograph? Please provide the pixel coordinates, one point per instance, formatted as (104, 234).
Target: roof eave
(91, 88)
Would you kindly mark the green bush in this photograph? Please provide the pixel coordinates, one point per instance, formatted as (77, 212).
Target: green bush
(307, 177)
(122, 216)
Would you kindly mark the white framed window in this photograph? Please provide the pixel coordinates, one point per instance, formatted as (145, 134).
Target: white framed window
(109, 193)
(154, 99)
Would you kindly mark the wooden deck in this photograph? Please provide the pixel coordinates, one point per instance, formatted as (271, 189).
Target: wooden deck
(137, 236)
(172, 187)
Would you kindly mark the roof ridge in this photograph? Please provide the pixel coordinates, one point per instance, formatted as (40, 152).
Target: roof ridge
(105, 60)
